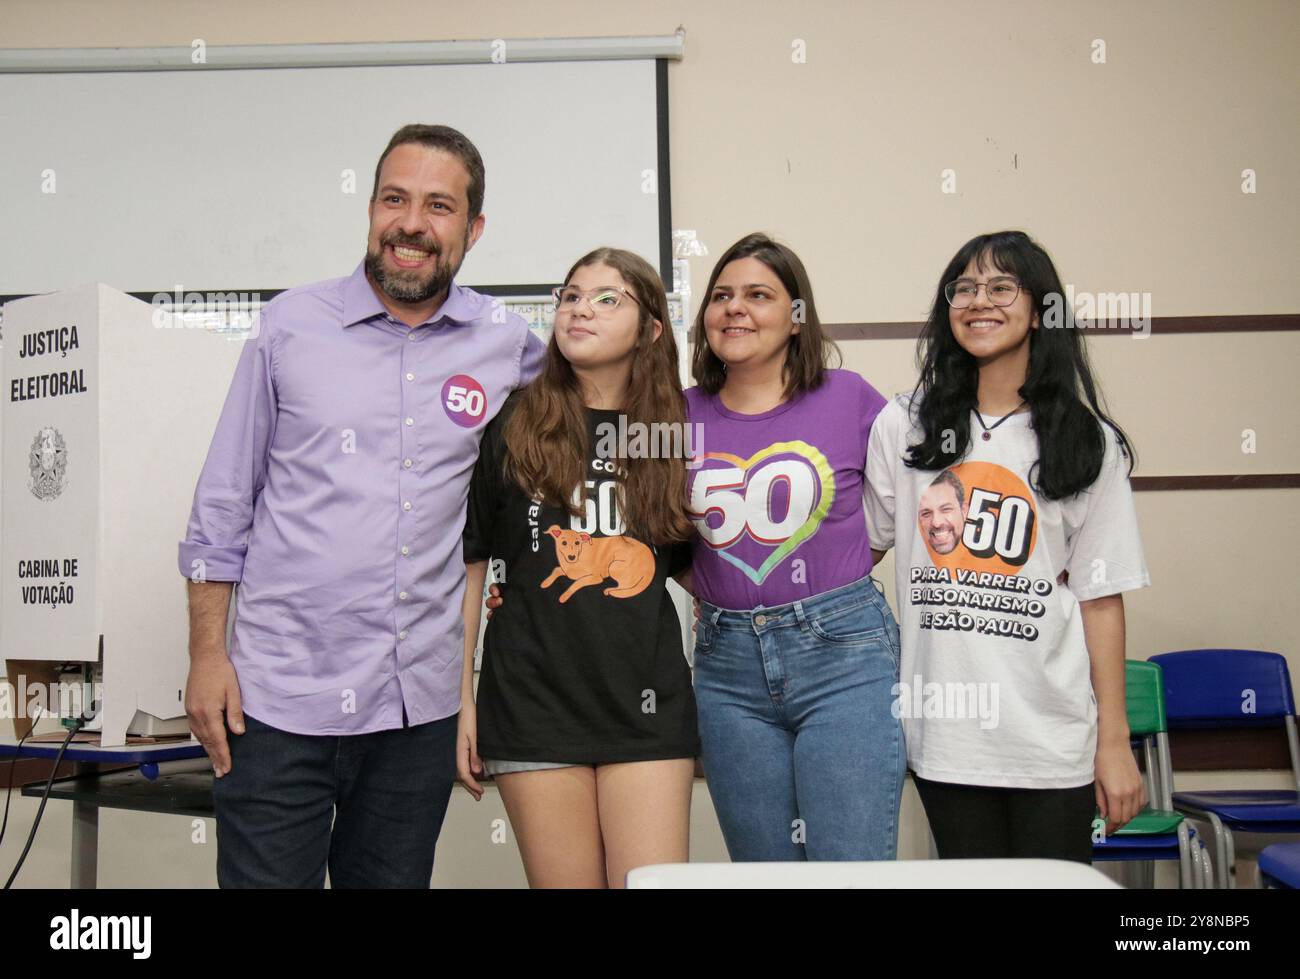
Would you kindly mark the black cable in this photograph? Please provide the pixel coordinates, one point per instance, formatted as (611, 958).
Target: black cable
(13, 768)
(45, 797)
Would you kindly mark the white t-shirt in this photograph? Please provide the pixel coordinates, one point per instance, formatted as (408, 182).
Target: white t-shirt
(995, 686)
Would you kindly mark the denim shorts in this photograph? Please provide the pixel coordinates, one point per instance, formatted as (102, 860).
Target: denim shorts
(802, 753)
(493, 767)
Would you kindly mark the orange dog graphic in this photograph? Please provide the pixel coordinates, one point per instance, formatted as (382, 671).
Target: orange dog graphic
(590, 560)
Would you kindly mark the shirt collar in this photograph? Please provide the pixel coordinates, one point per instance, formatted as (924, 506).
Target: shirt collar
(360, 302)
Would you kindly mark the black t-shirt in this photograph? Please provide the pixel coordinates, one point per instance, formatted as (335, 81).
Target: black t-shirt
(584, 662)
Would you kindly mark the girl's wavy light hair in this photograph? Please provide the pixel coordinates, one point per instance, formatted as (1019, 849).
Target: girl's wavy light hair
(547, 451)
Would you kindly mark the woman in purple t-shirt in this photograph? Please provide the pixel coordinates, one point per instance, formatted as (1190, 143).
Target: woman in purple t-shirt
(796, 651)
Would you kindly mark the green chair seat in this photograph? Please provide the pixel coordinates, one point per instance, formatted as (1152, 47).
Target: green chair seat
(1151, 822)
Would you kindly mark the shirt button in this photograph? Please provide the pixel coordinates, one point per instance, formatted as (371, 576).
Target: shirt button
(760, 620)
(410, 376)
(410, 335)
(410, 421)
(402, 595)
(402, 634)
(405, 550)
(406, 463)
(406, 505)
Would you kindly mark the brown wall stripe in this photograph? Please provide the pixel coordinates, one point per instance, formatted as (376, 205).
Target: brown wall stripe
(1159, 324)
(1245, 481)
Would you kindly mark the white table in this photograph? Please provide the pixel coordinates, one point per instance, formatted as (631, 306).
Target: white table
(897, 874)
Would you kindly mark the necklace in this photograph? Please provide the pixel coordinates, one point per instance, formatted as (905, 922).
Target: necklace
(988, 429)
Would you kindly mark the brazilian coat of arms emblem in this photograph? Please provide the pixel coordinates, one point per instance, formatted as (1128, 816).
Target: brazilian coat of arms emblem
(48, 464)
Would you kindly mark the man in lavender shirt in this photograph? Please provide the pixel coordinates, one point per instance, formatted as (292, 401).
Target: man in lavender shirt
(334, 494)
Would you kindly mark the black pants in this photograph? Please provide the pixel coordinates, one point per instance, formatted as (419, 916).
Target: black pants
(980, 821)
(368, 806)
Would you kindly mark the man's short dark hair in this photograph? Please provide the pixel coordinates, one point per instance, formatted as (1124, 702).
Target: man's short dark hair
(950, 477)
(448, 140)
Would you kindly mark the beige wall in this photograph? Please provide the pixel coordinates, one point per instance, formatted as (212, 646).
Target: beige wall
(1129, 172)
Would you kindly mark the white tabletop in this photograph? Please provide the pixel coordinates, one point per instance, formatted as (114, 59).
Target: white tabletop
(899, 874)
(86, 751)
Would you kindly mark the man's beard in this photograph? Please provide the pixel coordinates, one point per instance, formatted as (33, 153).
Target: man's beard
(405, 285)
(946, 546)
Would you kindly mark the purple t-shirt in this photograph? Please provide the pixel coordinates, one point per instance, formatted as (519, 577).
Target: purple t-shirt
(777, 498)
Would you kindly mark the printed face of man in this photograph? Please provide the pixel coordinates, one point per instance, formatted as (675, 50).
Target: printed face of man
(942, 518)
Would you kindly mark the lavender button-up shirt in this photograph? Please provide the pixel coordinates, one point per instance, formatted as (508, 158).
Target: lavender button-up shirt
(334, 494)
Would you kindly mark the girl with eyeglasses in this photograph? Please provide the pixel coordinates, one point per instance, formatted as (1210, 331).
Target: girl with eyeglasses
(1002, 485)
(585, 715)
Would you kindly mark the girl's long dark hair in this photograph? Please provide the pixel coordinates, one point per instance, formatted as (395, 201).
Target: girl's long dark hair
(1063, 396)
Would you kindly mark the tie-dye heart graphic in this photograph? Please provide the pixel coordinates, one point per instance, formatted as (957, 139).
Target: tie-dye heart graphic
(804, 470)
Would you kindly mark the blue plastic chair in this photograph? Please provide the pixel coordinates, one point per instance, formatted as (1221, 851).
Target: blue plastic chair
(1222, 688)
(1279, 865)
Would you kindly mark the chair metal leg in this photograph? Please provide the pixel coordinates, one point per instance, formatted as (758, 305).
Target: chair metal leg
(1166, 771)
(1154, 789)
(1207, 824)
(1185, 878)
(1230, 881)
(1293, 743)
(1220, 847)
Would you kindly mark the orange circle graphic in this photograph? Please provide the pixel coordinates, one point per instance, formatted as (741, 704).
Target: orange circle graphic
(978, 516)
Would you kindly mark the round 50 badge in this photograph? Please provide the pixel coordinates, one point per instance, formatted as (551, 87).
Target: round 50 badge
(463, 400)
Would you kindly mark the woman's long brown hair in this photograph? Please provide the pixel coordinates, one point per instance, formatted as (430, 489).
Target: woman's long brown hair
(547, 449)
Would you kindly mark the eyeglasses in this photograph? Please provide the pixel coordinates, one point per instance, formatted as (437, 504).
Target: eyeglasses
(603, 302)
(1001, 290)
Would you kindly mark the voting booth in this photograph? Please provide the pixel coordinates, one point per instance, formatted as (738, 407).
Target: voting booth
(109, 407)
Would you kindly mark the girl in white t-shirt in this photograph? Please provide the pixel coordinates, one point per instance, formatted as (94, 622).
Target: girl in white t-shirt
(1003, 487)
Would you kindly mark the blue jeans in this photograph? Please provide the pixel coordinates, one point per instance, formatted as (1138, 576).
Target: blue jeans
(803, 755)
(275, 806)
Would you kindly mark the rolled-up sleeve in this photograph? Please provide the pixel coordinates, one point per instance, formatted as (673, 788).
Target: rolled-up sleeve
(216, 539)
